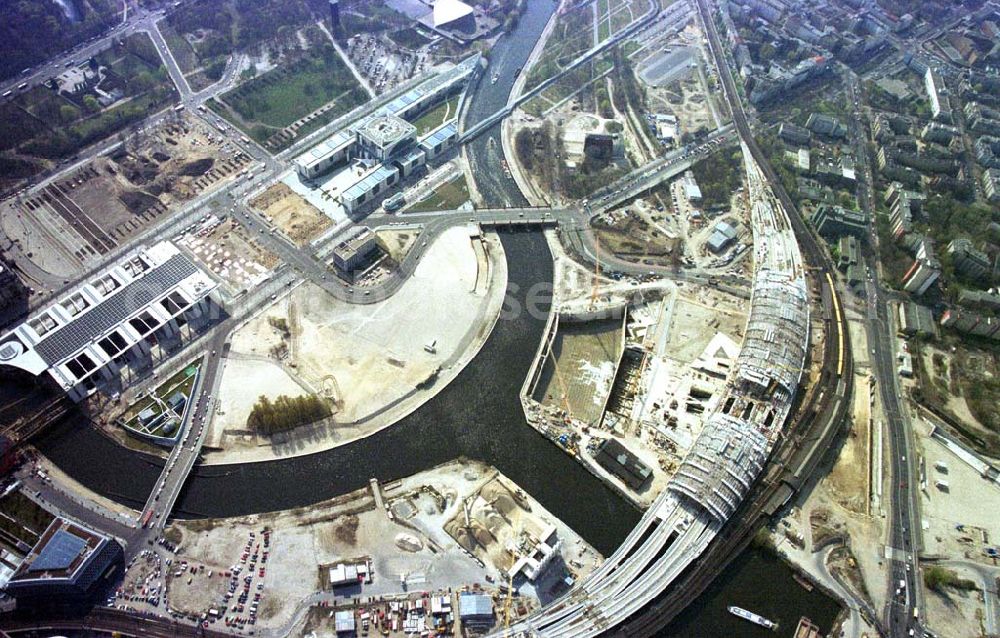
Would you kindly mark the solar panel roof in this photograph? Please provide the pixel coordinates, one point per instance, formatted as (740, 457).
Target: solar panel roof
(59, 553)
(59, 345)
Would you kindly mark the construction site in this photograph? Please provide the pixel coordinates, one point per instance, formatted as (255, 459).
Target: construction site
(299, 220)
(225, 247)
(627, 370)
(71, 223)
(400, 532)
(513, 537)
(374, 362)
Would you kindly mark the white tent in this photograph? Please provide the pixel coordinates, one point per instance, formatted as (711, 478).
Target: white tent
(448, 11)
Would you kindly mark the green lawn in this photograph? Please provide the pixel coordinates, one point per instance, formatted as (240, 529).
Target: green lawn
(285, 94)
(447, 197)
(436, 116)
(182, 381)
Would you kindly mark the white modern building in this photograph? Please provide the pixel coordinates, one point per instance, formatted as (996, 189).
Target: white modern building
(341, 146)
(110, 320)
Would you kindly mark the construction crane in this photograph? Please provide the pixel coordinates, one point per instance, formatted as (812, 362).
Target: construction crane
(510, 586)
(508, 602)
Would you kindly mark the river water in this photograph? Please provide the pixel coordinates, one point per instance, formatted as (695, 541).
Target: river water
(478, 416)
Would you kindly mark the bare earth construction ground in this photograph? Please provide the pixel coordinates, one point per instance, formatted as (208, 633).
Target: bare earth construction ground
(367, 359)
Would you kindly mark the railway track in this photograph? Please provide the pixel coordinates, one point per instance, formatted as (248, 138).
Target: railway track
(815, 420)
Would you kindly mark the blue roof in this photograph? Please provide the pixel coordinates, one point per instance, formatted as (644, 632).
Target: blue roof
(457, 74)
(441, 133)
(59, 553)
(470, 604)
(377, 176)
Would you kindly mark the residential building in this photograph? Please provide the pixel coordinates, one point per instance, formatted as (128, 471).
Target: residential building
(991, 184)
(794, 134)
(924, 271)
(937, 94)
(980, 299)
(904, 206)
(937, 132)
(833, 221)
(970, 263)
(987, 150)
(826, 125)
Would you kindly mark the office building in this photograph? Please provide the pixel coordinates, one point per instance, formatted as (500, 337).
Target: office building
(111, 320)
(847, 248)
(622, 463)
(68, 566)
(355, 249)
(915, 319)
(475, 610)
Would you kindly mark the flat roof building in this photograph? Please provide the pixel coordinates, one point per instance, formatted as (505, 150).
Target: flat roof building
(826, 125)
(794, 134)
(622, 463)
(691, 189)
(991, 184)
(475, 610)
(723, 235)
(924, 271)
(439, 140)
(325, 155)
(66, 567)
(354, 249)
(382, 136)
(373, 182)
(343, 622)
(343, 145)
(937, 94)
(835, 221)
(91, 331)
(915, 319)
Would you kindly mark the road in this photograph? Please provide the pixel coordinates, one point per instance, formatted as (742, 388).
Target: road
(696, 536)
(903, 542)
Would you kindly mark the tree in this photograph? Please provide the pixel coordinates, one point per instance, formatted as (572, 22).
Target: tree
(67, 113)
(91, 104)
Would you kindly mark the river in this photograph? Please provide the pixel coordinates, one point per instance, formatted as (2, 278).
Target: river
(477, 415)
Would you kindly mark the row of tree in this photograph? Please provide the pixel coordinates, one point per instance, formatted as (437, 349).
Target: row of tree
(286, 413)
